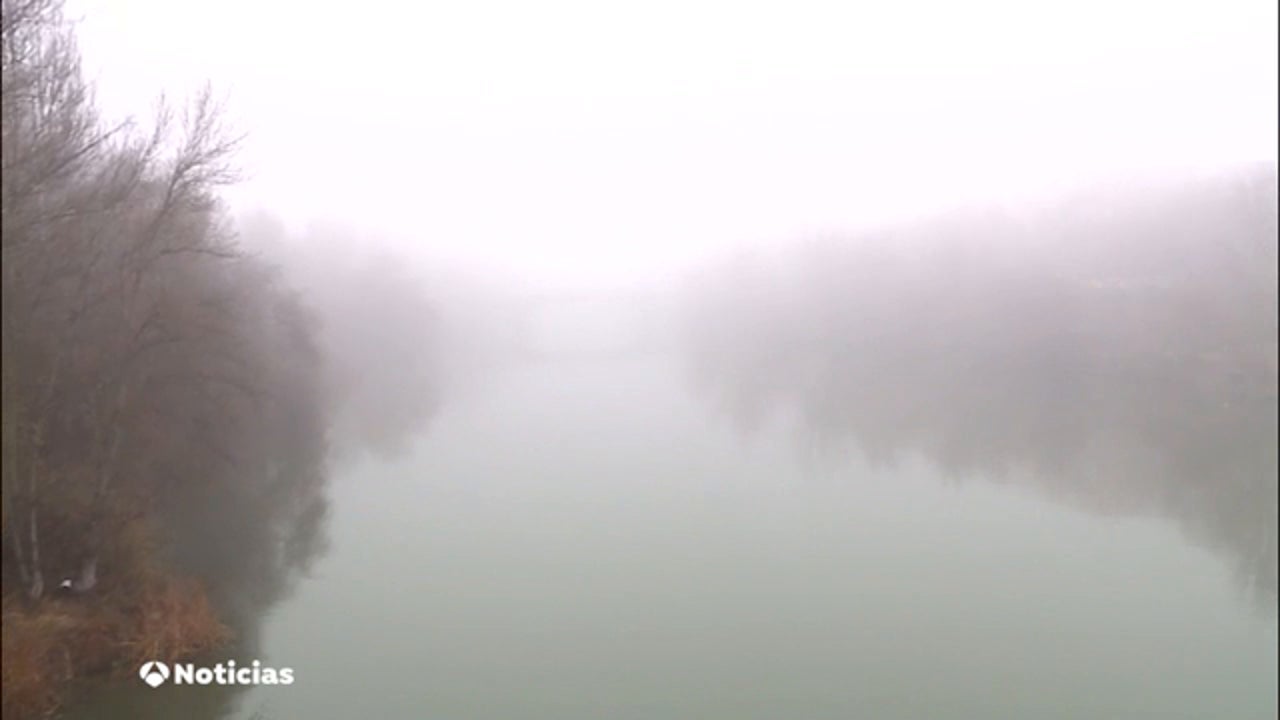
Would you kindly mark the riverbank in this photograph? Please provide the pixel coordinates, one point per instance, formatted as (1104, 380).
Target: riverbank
(51, 644)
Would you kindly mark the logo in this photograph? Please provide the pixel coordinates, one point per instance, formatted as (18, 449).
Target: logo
(156, 673)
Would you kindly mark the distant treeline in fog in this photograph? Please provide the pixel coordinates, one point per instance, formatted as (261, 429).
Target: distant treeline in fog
(1117, 350)
(399, 335)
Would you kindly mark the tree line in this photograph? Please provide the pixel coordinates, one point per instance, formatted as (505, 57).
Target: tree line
(164, 408)
(1116, 350)
(177, 381)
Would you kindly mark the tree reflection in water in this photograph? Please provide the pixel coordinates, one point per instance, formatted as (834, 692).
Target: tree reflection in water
(1120, 357)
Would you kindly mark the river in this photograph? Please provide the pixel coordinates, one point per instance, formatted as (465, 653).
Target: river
(585, 536)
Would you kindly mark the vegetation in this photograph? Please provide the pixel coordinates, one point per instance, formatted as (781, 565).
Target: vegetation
(1116, 351)
(163, 403)
(172, 378)
(398, 338)
(168, 396)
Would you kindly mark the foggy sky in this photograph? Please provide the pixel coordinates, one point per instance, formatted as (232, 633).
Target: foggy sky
(576, 144)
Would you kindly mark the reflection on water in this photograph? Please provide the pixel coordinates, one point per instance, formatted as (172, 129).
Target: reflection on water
(590, 535)
(588, 540)
(250, 541)
(1118, 353)
(1132, 446)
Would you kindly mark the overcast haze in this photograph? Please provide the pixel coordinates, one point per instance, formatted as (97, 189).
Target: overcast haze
(674, 360)
(582, 143)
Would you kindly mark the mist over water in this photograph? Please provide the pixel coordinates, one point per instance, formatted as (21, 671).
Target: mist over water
(694, 361)
(976, 467)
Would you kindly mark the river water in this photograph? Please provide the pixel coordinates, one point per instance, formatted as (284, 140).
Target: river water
(585, 536)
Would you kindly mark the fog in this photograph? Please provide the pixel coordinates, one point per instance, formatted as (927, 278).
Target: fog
(574, 145)
(687, 360)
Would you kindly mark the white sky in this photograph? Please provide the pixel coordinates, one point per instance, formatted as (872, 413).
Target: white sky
(591, 141)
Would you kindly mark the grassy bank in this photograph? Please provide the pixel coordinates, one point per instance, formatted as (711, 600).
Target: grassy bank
(51, 644)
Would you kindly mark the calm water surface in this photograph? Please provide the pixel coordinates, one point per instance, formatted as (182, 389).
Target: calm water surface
(589, 539)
